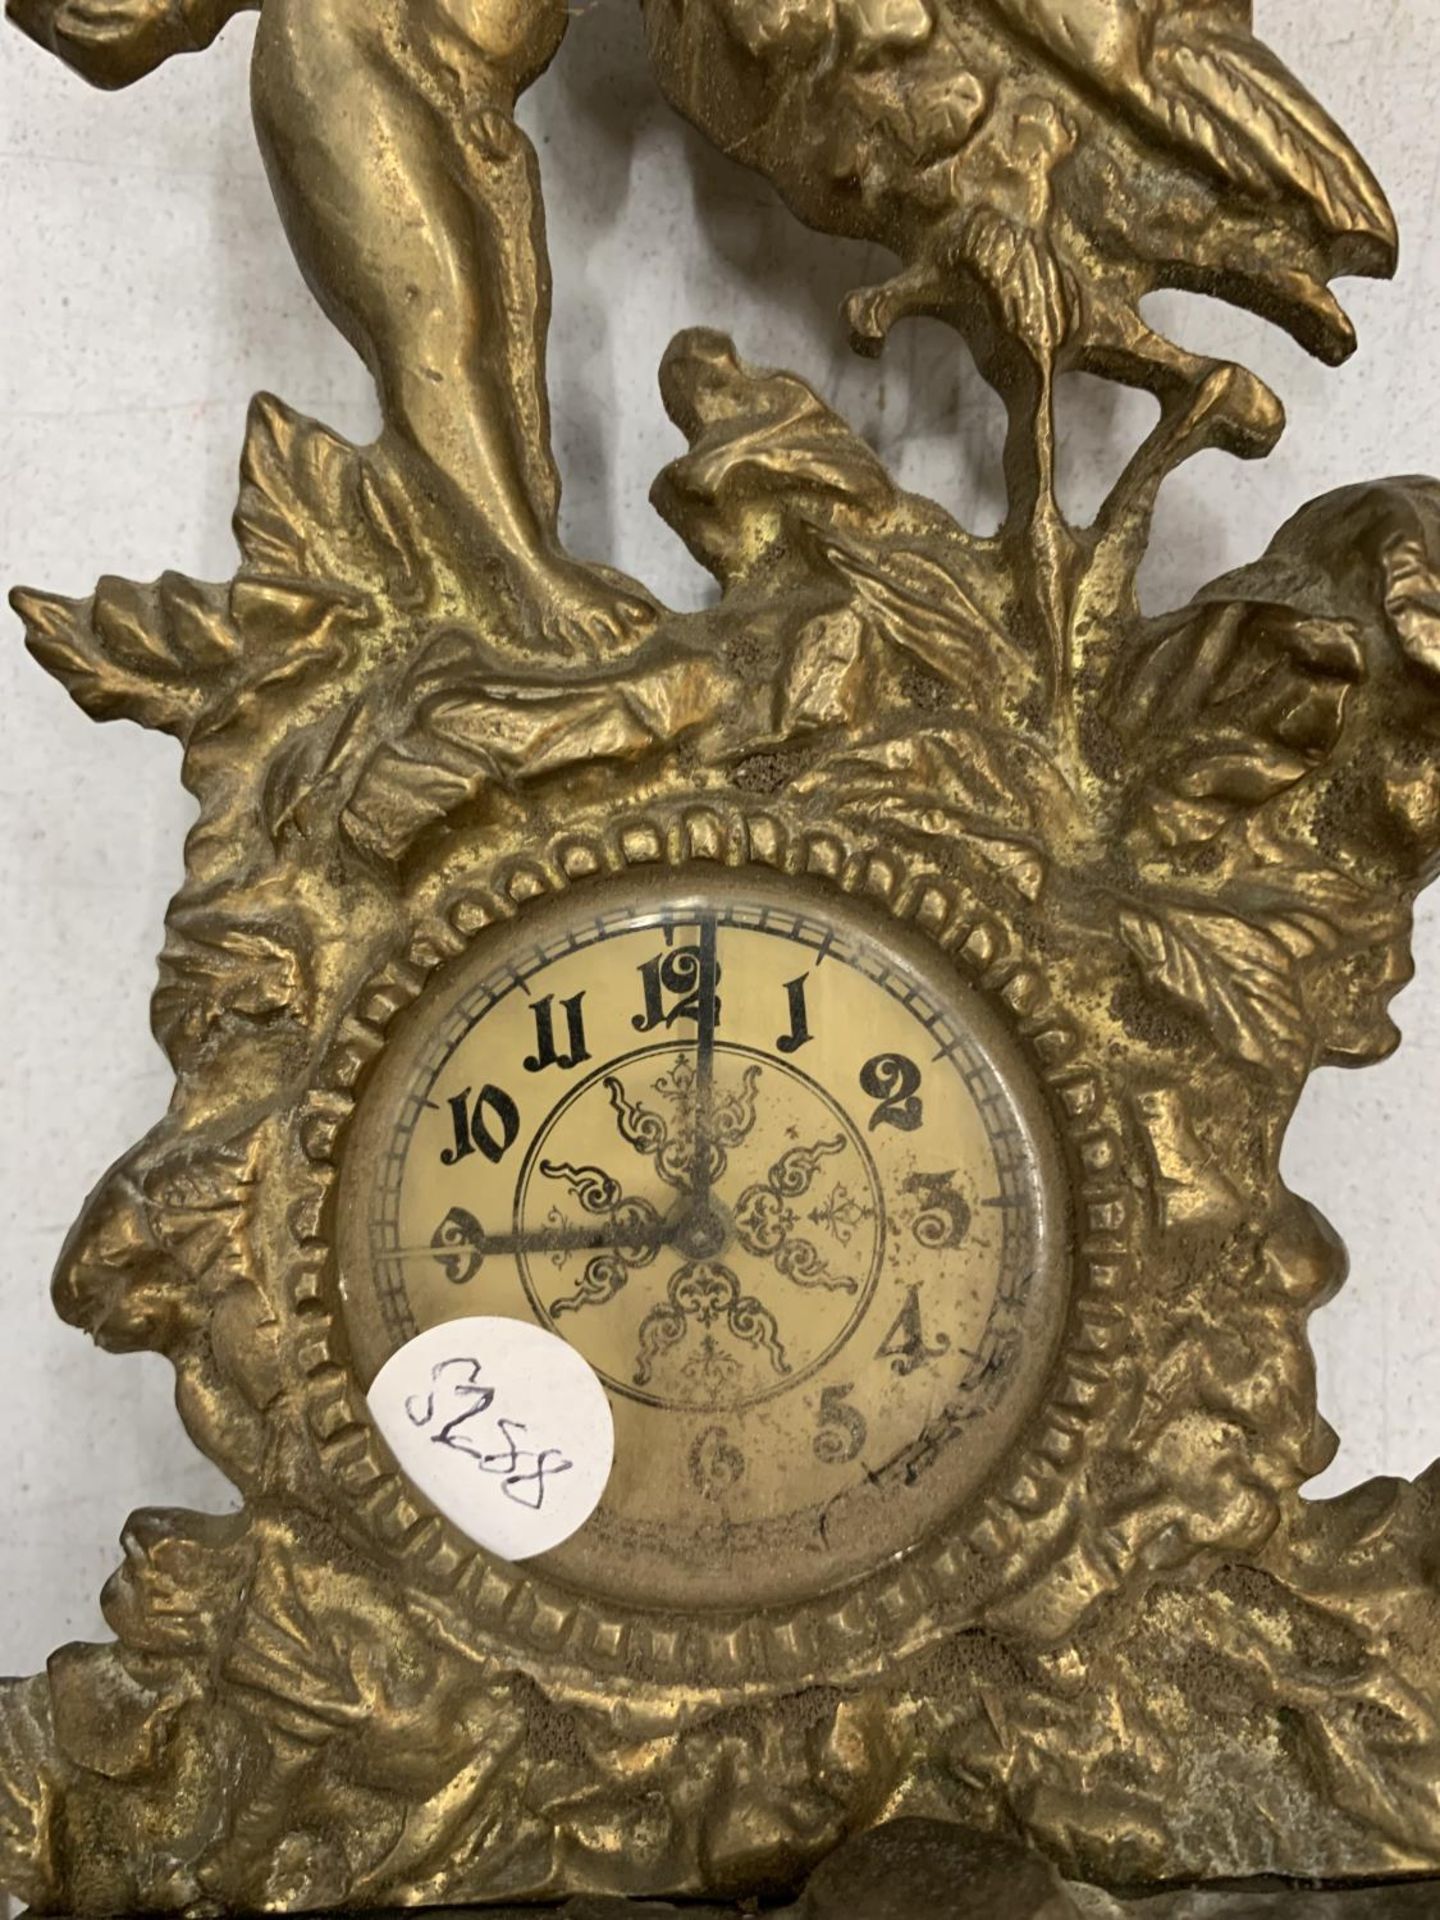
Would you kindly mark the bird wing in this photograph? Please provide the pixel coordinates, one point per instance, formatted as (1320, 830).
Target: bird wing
(1224, 92)
(1193, 69)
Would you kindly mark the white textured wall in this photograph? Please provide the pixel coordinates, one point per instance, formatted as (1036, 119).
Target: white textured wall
(147, 293)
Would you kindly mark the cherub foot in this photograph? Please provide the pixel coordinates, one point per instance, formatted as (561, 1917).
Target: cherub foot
(590, 613)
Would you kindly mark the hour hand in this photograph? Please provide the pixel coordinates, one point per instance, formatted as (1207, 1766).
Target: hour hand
(461, 1245)
(634, 1235)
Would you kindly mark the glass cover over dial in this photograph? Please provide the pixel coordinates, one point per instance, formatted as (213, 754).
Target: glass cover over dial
(774, 1169)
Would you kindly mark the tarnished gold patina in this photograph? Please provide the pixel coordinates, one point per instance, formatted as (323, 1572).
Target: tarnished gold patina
(1174, 859)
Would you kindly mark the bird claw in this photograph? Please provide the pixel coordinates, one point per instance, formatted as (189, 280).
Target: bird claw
(1237, 412)
(870, 314)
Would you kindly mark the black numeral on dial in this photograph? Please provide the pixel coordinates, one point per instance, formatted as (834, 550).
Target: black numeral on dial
(894, 1080)
(491, 1126)
(716, 1463)
(944, 1217)
(843, 1431)
(459, 1245)
(905, 1345)
(799, 1034)
(546, 1053)
(678, 977)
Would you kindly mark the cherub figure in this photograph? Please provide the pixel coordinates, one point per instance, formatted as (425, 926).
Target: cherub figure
(412, 201)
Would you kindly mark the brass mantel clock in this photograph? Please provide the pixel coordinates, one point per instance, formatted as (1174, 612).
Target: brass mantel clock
(721, 1186)
(722, 1202)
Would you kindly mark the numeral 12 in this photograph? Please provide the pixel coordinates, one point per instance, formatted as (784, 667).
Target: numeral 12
(680, 975)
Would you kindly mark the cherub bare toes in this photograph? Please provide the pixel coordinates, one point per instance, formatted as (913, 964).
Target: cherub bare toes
(591, 613)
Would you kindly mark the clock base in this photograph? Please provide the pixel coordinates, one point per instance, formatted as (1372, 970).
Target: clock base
(915, 1869)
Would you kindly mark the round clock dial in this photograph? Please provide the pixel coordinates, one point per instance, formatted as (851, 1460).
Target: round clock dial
(773, 1170)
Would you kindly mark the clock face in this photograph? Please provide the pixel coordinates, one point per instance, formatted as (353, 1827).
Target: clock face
(773, 1169)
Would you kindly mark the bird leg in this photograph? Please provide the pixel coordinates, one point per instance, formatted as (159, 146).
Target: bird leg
(1191, 421)
(1245, 417)
(1204, 404)
(972, 278)
(1035, 523)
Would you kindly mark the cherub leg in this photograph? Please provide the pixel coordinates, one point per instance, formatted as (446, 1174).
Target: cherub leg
(409, 197)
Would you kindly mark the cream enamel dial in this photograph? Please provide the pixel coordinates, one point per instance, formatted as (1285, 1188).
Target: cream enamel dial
(779, 1176)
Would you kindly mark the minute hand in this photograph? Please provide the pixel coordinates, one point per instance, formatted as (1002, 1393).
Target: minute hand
(706, 1016)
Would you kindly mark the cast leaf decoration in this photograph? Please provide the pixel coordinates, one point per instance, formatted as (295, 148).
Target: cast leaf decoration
(29, 1793)
(902, 689)
(316, 512)
(147, 654)
(1237, 976)
(1232, 704)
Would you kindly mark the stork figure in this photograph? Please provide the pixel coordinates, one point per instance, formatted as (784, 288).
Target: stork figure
(1039, 166)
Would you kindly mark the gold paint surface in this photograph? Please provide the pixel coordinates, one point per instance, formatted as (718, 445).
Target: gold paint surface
(1147, 874)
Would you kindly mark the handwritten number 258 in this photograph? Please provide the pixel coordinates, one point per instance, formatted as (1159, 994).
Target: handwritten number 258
(457, 1399)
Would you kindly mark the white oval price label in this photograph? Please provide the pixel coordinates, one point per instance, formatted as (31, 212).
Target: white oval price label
(503, 1427)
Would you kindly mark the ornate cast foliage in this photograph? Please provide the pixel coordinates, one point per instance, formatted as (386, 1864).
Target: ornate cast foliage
(1180, 851)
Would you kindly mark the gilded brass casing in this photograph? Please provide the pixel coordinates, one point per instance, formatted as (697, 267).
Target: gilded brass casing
(1175, 858)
